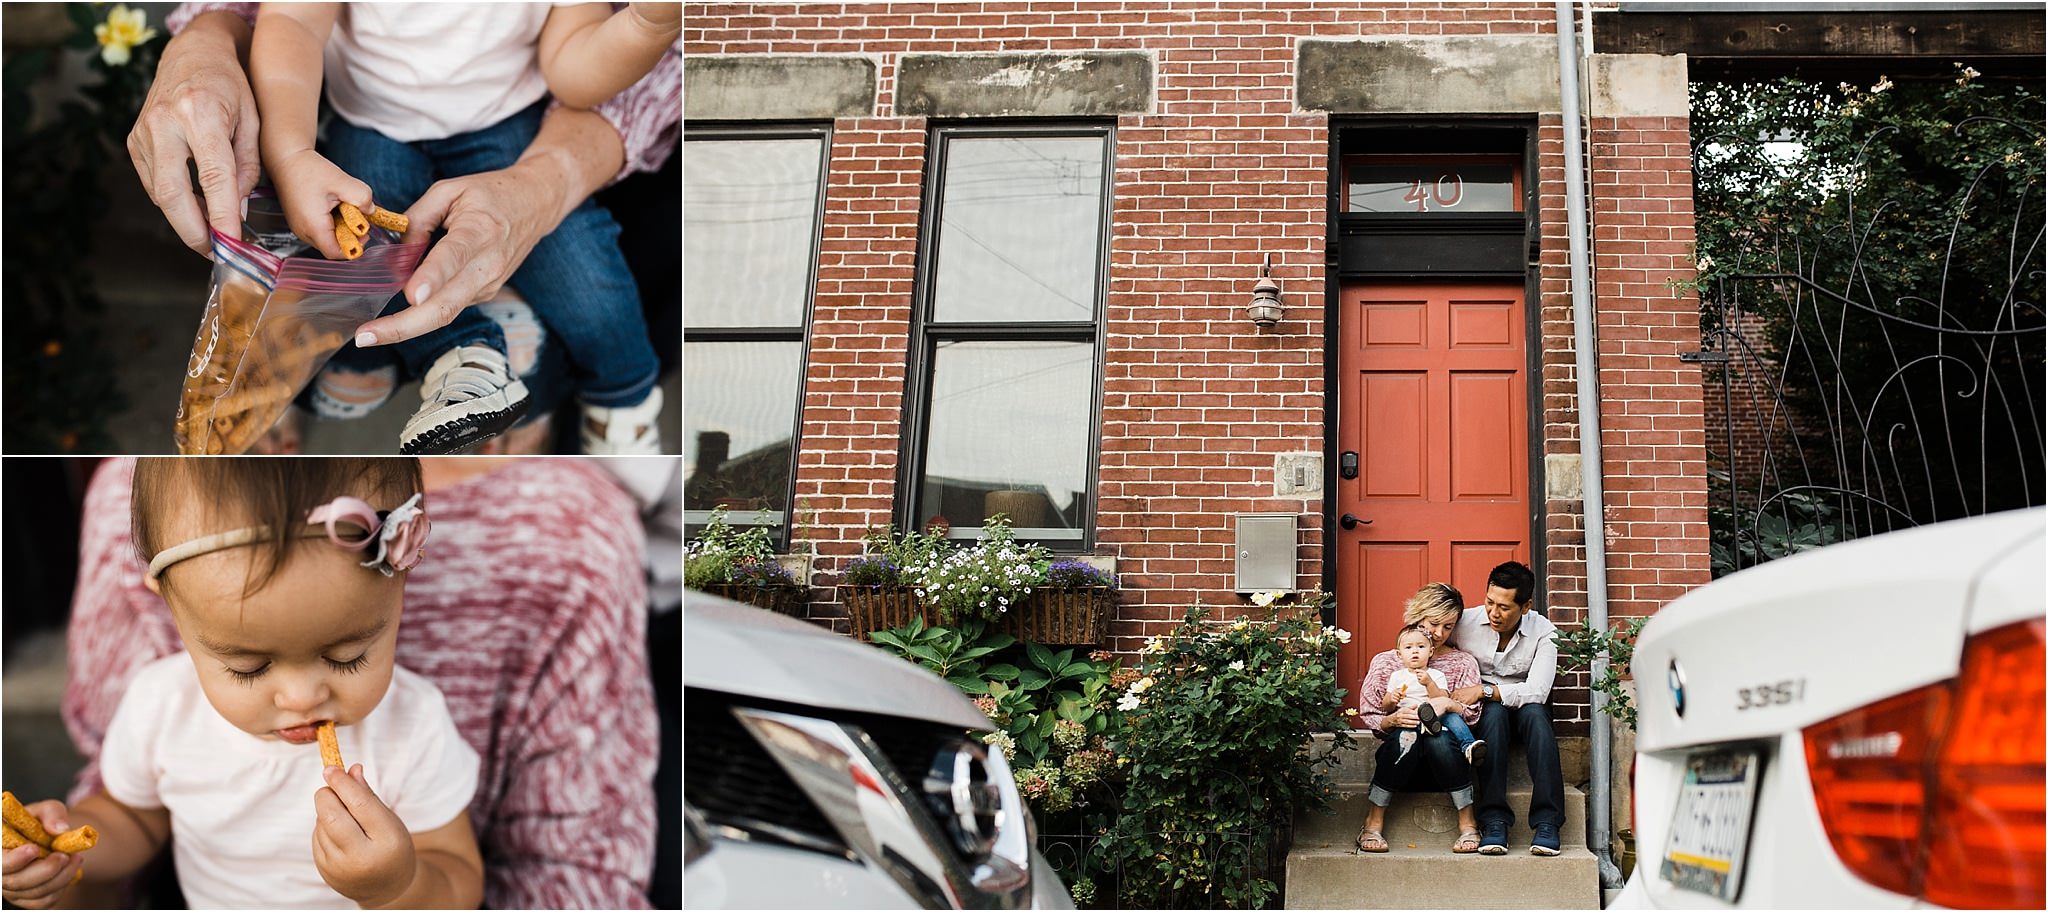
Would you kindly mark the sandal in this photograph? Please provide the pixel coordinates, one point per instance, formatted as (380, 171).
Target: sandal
(1371, 840)
(1468, 842)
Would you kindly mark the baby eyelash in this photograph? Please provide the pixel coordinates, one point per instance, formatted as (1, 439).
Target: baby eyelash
(247, 677)
(351, 666)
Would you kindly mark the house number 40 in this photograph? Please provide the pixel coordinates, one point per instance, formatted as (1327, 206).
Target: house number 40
(1445, 191)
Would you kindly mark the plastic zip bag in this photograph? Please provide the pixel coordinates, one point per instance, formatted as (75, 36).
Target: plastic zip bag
(272, 320)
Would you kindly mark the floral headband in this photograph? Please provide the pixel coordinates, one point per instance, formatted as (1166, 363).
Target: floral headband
(400, 535)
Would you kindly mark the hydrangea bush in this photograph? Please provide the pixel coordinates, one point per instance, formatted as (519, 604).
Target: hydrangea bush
(1217, 718)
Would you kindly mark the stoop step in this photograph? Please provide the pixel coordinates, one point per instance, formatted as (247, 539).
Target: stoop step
(1430, 877)
(1325, 870)
(1428, 819)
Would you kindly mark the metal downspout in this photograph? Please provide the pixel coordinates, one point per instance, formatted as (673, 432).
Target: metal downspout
(1599, 825)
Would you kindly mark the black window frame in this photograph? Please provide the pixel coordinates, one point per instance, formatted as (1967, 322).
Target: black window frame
(926, 333)
(781, 534)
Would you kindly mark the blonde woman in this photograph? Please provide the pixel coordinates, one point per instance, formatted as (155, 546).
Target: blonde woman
(1434, 764)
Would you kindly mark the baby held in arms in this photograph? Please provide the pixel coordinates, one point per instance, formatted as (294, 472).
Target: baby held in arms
(286, 579)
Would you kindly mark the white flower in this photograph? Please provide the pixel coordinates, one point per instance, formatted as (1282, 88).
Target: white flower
(1240, 624)
(1706, 262)
(1155, 644)
(1142, 684)
(1236, 666)
(1267, 598)
(1883, 83)
(1128, 703)
(1342, 635)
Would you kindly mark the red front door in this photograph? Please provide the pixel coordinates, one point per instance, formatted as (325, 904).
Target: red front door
(1433, 398)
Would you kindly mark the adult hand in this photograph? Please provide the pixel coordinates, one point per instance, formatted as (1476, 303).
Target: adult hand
(493, 220)
(33, 881)
(1405, 717)
(360, 847)
(199, 110)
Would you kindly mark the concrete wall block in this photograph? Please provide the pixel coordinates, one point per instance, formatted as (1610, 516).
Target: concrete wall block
(778, 87)
(1637, 85)
(1059, 84)
(1429, 75)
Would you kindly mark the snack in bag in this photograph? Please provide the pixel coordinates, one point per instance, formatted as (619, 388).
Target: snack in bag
(274, 315)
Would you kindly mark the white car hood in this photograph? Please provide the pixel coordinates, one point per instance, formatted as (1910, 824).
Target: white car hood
(1854, 622)
(749, 651)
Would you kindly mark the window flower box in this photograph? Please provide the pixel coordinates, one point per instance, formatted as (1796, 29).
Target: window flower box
(872, 608)
(1062, 617)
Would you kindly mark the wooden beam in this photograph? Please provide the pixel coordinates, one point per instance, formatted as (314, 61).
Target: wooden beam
(1891, 34)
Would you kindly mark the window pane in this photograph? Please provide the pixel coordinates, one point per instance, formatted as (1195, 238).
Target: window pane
(1020, 229)
(750, 210)
(1448, 187)
(1010, 428)
(739, 410)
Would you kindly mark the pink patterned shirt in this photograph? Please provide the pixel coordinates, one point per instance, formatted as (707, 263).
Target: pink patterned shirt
(529, 613)
(648, 114)
(1459, 667)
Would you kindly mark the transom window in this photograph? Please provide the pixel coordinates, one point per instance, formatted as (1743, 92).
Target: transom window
(1009, 335)
(751, 204)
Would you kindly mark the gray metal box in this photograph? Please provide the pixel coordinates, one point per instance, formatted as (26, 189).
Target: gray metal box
(1265, 551)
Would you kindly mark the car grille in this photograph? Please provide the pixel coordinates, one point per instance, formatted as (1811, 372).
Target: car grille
(733, 782)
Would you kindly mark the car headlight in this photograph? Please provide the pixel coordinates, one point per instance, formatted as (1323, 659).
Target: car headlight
(957, 838)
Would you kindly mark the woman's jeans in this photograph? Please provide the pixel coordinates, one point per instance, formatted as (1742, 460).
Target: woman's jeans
(574, 278)
(1432, 765)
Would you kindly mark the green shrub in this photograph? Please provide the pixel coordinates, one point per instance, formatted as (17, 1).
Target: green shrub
(722, 554)
(1215, 767)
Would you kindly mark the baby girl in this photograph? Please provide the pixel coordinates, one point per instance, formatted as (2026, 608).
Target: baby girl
(286, 578)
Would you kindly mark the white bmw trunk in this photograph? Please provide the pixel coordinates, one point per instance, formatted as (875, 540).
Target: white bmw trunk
(1860, 726)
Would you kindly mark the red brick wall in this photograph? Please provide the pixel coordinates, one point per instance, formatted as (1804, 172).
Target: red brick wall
(1196, 403)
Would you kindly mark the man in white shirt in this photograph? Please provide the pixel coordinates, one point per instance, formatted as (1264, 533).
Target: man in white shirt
(1517, 664)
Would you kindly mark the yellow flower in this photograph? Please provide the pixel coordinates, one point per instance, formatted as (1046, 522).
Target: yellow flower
(124, 29)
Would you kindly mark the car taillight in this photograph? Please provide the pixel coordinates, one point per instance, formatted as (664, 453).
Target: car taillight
(1938, 792)
(1986, 843)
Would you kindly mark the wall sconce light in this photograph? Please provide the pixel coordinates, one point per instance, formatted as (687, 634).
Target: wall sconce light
(1264, 310)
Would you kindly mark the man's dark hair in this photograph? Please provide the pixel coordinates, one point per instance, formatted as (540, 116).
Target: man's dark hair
(1516, 577)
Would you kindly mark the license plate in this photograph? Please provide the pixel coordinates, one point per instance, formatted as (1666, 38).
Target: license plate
(1710, 831)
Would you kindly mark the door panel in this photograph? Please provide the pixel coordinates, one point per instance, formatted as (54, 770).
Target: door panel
(1433, 396)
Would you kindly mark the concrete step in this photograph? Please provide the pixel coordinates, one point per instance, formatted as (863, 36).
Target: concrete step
(1353, 769)
(1429, 876)
(1428, 820)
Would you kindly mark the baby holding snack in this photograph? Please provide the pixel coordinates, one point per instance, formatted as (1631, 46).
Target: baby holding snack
(1406, 687)
(426, 91)
(286, 580)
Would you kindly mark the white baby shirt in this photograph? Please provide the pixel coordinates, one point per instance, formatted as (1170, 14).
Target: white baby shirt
(242, 807)
(416, 71)
(1416, 692)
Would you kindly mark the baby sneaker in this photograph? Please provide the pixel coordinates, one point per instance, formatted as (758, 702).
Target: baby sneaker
(626, 430)
(468, 395)
(1427, 715)
(1475, 753)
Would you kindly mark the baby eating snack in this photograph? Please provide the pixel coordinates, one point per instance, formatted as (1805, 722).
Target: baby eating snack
(286, 580)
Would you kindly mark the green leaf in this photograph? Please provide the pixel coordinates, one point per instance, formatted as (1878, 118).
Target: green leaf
(1001, 671)
(974, 686)
(1040, 656)
(927, 653)
(1032, 679)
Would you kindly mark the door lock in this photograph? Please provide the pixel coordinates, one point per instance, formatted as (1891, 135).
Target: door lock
(1349, 521)
(1347, 464)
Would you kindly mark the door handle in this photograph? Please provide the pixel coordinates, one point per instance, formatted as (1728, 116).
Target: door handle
(1347, 464)
(1349, 521)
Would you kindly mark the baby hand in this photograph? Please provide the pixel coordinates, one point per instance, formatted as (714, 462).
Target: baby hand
(309, 186)
(34, 882)
(362, 849)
